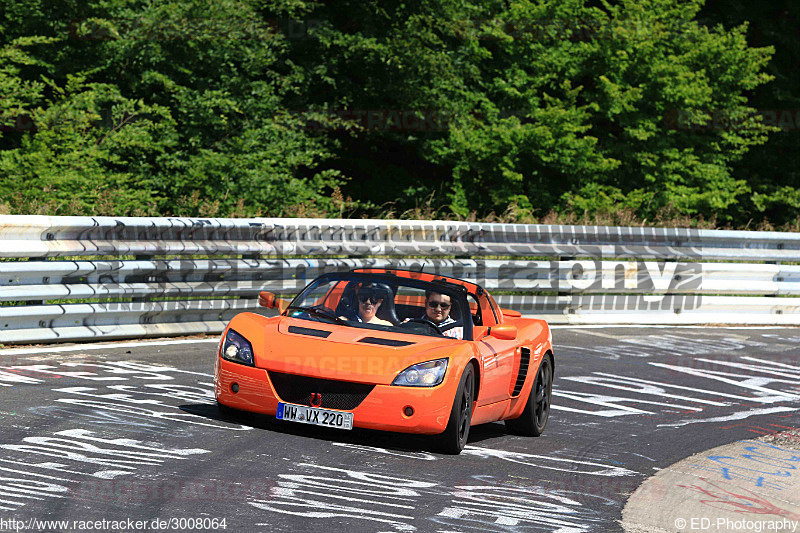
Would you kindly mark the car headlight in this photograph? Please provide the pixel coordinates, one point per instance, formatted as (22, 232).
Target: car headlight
(427, 374)
(237, 349)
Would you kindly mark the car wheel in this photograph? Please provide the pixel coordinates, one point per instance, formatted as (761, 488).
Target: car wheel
(455, 436)
(533, 419)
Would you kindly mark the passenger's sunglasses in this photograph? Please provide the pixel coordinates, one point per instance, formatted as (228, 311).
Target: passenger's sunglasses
(434, 304)
(370, 295)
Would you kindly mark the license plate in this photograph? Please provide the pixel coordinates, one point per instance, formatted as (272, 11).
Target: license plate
(315, 416)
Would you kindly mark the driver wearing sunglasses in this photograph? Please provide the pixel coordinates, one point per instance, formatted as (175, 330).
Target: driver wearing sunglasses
(437, 310)
(369, 301)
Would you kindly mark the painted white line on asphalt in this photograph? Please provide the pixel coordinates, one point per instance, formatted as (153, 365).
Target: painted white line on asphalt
(741, 415)
(106, 346)
(139, 344)
(651, 326)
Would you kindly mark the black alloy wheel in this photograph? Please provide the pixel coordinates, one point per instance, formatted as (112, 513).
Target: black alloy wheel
(532, 421)
(455, 436)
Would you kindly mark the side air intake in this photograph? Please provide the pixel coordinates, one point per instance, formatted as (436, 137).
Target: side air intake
(524, 361)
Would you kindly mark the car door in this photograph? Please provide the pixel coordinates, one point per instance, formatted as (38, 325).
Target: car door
(496, 355)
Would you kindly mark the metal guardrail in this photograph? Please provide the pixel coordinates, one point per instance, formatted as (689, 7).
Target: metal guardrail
(76, 278)
(40, 236)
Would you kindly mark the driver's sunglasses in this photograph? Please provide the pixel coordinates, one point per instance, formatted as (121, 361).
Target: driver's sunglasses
(433, 305)
(365, 295)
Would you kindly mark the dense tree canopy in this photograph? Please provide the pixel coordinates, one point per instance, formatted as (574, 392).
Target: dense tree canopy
(772, 169)
(362, 108)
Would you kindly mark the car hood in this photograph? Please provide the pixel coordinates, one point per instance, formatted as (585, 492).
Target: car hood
(297, 346)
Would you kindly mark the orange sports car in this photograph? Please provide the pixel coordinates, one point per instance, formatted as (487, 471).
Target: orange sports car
(392, 350)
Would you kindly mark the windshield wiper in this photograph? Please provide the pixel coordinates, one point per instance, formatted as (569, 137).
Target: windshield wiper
(320, 311)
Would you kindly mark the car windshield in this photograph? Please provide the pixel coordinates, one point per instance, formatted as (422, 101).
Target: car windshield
(386, 302)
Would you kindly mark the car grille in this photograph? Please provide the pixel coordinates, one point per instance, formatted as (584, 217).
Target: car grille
(342, 395)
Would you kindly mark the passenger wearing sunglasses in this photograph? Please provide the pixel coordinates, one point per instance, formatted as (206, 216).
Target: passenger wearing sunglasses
(437, 310)
(369, 301)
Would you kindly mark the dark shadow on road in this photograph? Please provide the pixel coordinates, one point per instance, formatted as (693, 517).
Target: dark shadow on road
(365, 437)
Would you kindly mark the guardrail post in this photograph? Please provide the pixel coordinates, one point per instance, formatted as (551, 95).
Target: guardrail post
(147, 279)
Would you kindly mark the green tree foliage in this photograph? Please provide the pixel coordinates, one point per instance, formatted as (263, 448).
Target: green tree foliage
(772, 170)
(156, 108)
(288, 107)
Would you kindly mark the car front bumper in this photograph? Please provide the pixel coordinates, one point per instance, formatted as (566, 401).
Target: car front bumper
(383, 408)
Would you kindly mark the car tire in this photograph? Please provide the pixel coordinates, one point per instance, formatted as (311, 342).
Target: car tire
(532, 421)
(455, 436)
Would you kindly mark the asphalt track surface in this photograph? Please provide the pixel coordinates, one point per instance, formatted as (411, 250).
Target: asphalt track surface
(131, 433)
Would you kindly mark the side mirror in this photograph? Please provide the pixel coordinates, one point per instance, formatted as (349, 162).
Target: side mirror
(270, 301)
(506, 332)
